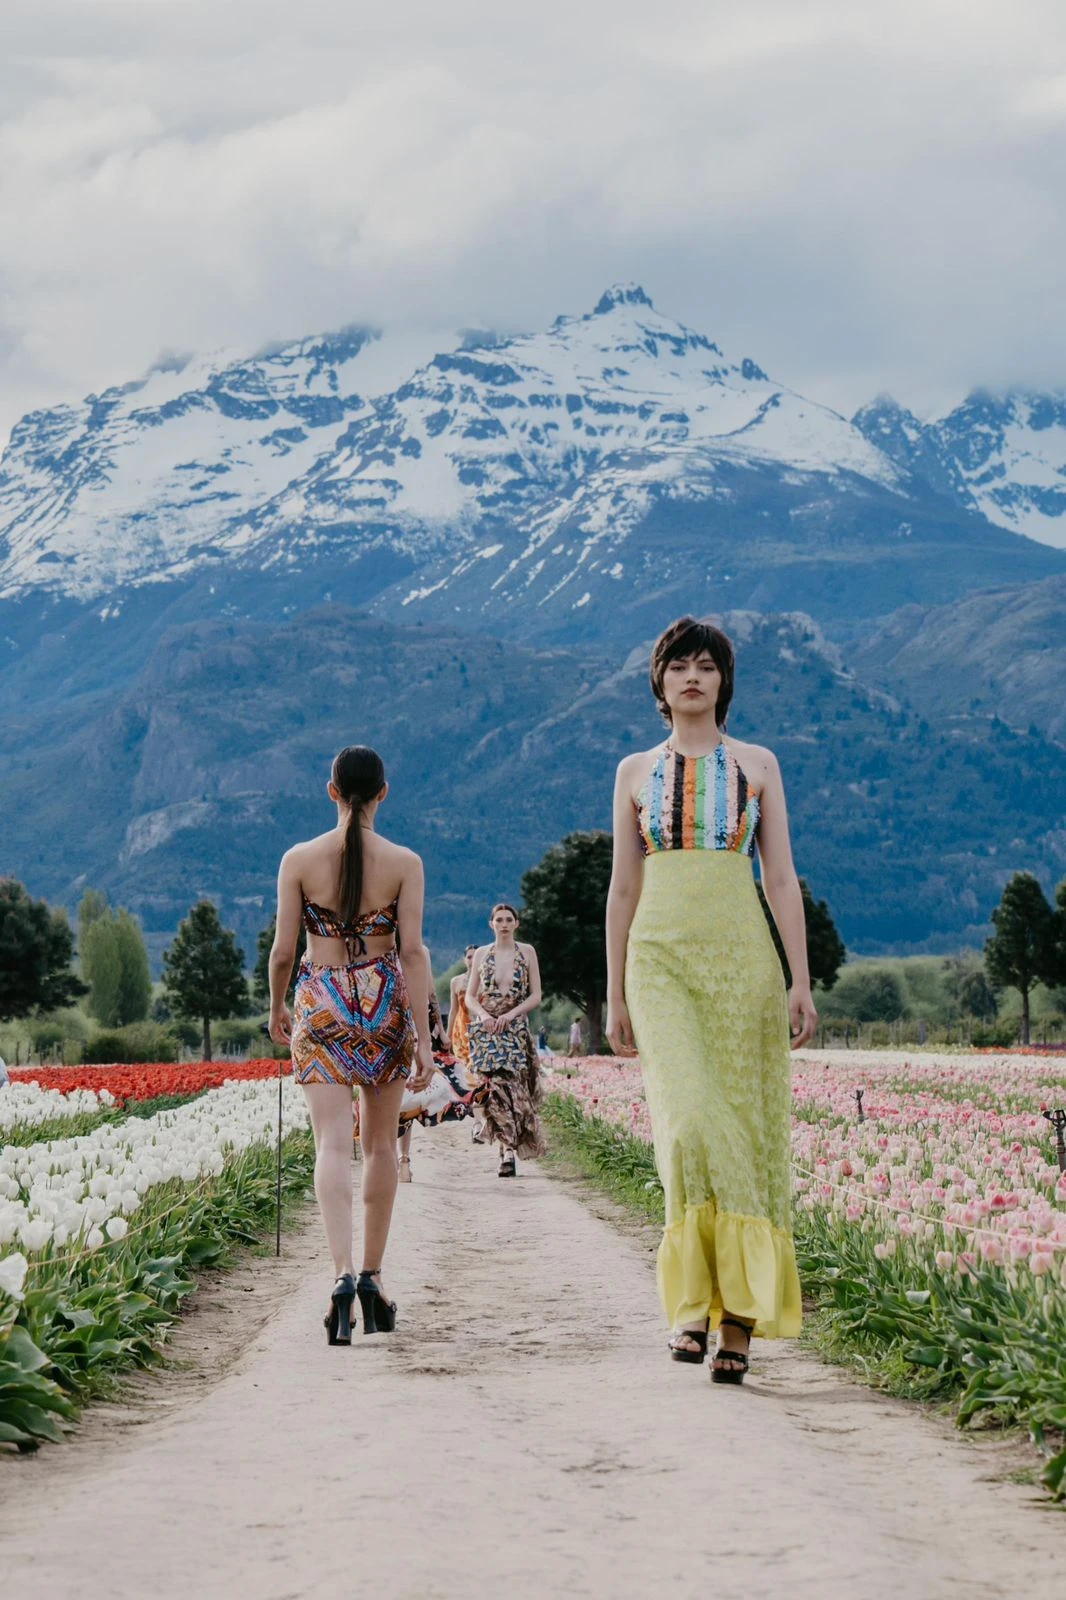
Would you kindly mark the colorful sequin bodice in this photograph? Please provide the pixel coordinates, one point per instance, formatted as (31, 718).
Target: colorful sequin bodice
(697, 803)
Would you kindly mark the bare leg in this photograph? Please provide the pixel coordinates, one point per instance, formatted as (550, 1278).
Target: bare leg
(330, 1105)
(405, 1153)
(379, 1117)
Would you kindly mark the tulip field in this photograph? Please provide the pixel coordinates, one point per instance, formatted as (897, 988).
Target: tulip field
(930, 1216)
(101, 1228)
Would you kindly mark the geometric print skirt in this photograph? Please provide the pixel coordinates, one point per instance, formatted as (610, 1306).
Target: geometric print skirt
(352, 1025)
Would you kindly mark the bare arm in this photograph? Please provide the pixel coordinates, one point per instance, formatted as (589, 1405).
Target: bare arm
(782, 890)
(627, 872)
(283, 950)
(475, 1009)
(414, 959)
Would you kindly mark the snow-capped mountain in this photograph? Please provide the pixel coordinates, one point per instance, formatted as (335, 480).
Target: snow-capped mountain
(587, 480)
(1003, 455)
(270, 457)
(140, 482)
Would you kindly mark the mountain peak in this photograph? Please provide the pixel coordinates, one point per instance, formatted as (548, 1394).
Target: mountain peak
(622, 294)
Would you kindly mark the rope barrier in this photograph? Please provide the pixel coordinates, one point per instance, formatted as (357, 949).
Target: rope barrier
(142, 1227)
(948, 1224)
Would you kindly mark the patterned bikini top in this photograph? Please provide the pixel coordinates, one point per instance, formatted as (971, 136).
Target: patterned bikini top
(697, 803)
(372, 924)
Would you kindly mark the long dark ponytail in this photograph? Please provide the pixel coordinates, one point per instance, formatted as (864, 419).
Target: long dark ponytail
(359, 777)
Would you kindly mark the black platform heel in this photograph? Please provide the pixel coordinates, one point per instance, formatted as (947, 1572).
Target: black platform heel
(739, 1359)
(698, 1336)
(338, 1319)
(379, 1314)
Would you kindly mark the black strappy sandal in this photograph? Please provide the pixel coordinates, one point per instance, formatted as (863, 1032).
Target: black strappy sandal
(506, 1168)
(338, 1319)
(735, 1373)
(379, 1314)
(698, 1337)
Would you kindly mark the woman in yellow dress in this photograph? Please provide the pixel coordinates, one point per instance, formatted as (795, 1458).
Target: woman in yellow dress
(695, 987)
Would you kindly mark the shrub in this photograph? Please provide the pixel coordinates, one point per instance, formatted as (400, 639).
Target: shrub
(139, 1041)
(996, 1034)
(238, 1033)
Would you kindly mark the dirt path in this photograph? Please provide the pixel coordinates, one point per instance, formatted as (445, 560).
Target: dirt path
(522, 1435)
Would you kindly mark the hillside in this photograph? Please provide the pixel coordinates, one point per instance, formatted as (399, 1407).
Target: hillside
(1002, 653)
(196, 778)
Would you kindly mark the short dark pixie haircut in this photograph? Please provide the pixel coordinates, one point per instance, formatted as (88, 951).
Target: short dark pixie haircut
(687, 637)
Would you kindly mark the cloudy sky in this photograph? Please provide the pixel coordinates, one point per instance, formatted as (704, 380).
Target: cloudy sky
(861, 195)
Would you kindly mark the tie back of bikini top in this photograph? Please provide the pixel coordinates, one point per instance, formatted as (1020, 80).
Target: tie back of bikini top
(372, 924)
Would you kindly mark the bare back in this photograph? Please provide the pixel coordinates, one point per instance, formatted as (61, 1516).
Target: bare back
(311, 871)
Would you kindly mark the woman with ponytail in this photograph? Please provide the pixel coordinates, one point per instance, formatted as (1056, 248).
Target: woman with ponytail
(360, 1018)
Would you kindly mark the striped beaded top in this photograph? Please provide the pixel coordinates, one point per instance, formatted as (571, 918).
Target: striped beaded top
(697, 803)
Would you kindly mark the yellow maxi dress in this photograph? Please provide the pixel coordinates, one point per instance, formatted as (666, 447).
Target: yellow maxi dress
(706, 996)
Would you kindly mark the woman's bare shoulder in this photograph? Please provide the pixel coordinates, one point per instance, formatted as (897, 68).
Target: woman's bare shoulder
(757, 760)
(397, 855)
(307, 852)
(633, 770)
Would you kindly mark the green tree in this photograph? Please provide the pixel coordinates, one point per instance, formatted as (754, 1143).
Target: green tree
(203, 971)
(977, 998)
(879, 997)
(825, 947)
(36, 952)
(1021, 952)
(261, 975)
(115, 963)
(565, 903)
(92, 906)
(101, 965)
(1055, 978)
(135, 985)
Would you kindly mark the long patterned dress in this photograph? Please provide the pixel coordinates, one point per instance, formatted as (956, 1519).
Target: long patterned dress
(707, 999)
(507, 1062)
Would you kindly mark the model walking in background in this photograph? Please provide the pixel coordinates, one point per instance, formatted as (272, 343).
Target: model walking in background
(504, 987)
(360, 1019)
(695, 985)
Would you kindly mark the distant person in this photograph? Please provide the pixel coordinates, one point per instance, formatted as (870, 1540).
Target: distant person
(5, 1076)
(355, 1013)
(458, 1016)
(695, 985)
(504, 987)
(543, 1047)
(577, 1044)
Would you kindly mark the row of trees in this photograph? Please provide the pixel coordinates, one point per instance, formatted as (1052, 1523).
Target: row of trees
(564, 897)
(203, 970)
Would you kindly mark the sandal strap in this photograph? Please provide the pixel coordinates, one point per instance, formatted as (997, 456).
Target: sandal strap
(732, 1355)
(731, 1322)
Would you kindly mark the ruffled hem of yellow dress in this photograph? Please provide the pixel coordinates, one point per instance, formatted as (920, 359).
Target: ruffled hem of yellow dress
(717, 1259)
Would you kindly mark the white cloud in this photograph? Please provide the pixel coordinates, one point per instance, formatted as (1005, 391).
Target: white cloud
(859, 196)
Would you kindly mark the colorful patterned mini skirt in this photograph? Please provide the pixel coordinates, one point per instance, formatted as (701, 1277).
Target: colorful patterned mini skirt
(352, 1025)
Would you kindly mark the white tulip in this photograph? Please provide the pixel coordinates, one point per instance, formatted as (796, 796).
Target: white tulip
(13, 1270)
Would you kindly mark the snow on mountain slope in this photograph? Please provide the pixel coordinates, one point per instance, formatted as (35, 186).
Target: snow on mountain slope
(1009, 455)
(271, 459)
(137, 483)
(1002, 455)
(580, 418)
